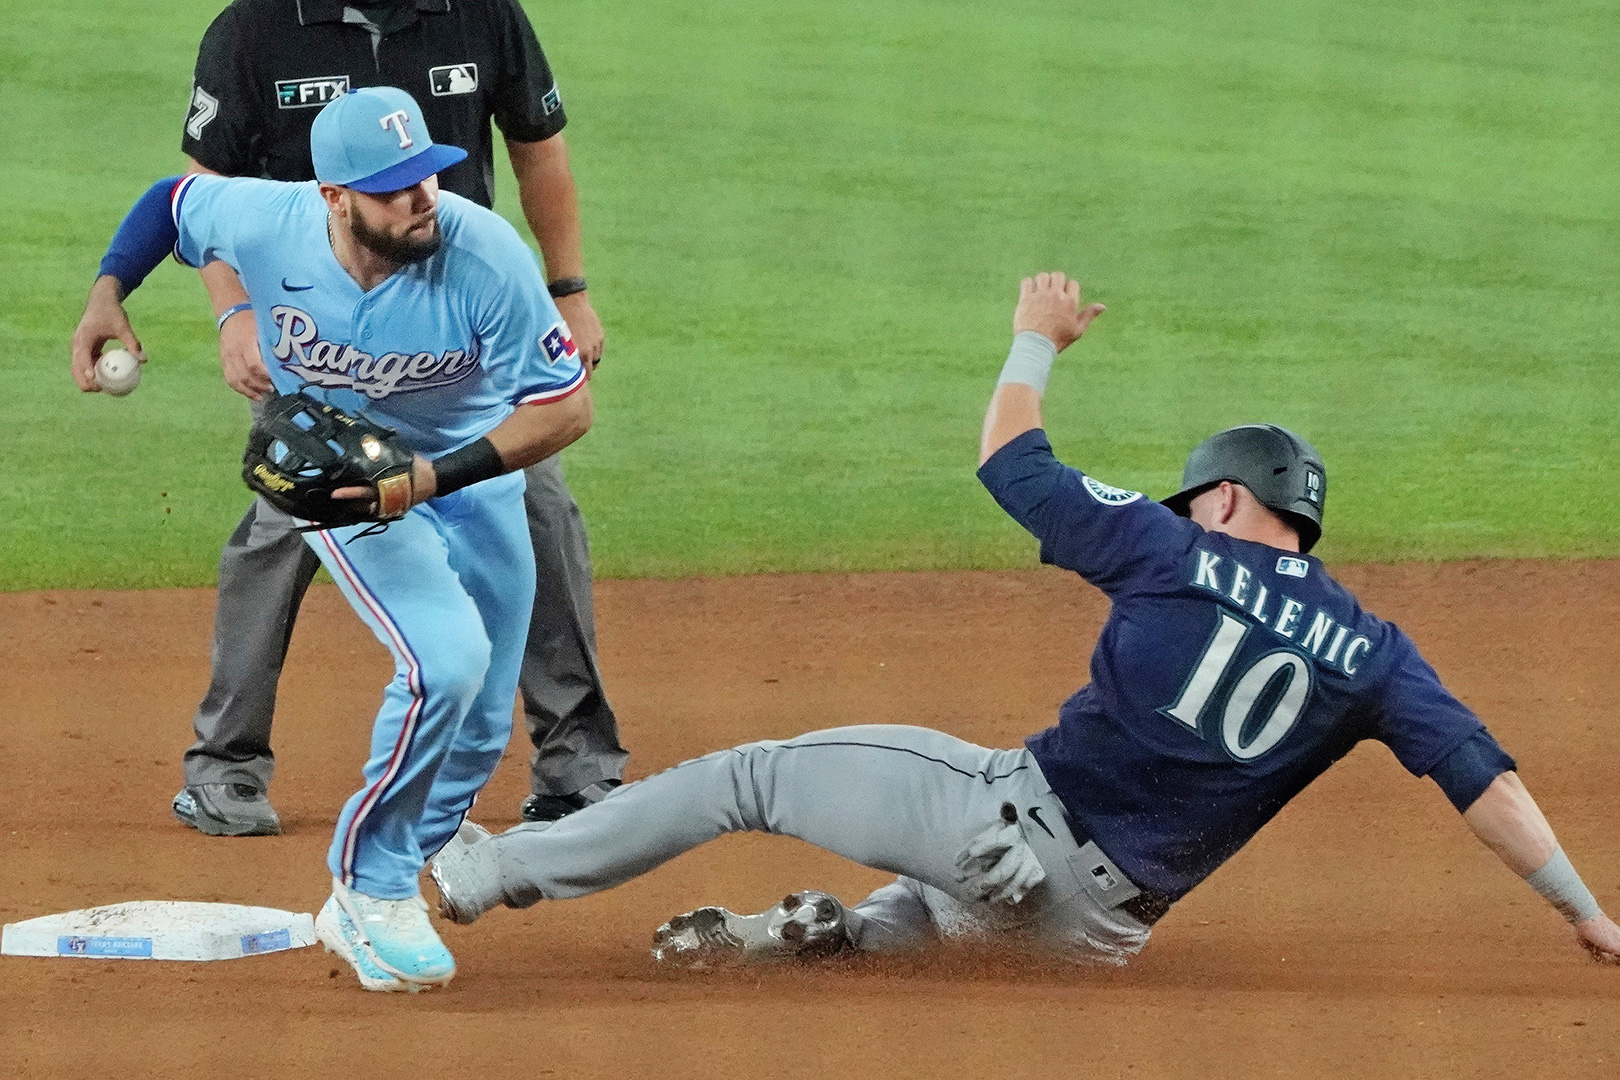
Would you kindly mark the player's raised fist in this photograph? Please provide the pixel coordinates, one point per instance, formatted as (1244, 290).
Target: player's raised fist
(1050, 304)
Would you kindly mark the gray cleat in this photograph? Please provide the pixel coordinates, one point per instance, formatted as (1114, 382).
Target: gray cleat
(807, 923)
(226, 810)
(467, 875)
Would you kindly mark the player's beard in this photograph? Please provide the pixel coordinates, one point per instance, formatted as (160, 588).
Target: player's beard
(396, 249)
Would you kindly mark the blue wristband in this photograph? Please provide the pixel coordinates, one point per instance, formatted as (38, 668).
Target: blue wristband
(234, 309)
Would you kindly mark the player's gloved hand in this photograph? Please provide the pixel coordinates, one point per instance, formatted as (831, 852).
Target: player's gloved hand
(239, 357)
(997, 865)
(314, 461)
(1600, 937)
(423, 486)
(104, 320)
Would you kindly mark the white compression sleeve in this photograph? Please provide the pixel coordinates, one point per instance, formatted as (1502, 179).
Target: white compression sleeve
(1563, 888)
(1029, 361)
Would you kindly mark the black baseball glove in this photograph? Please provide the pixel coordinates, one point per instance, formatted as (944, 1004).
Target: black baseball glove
(301, 450)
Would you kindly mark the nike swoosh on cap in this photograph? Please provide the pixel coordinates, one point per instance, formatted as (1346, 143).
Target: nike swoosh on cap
(294, 288)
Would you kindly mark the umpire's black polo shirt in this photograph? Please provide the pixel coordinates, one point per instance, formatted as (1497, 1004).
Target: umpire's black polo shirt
(265, 68)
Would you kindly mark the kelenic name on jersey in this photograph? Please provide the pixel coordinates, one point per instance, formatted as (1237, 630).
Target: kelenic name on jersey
(339, 365)
(1312, 631)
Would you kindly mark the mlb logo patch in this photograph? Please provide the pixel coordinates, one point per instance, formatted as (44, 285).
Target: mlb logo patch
(310, 93)
(1293, 567)
(551, 102)
(453, 79)
(558, 344)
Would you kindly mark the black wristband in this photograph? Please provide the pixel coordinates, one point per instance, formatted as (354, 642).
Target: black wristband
(478, 460)
(565, 286)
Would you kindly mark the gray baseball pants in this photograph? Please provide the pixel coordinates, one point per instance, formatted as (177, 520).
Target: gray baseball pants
(264, 572)
(902, 799)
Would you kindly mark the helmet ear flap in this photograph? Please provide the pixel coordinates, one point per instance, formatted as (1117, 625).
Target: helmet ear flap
(1181, 501)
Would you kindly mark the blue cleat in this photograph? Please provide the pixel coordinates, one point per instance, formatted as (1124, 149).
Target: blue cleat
(339, 935)
(392, 938)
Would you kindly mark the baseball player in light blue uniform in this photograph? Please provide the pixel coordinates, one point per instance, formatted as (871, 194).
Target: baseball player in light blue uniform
(427, 313)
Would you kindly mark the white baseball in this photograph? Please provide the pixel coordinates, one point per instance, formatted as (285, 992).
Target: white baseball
(118, 372)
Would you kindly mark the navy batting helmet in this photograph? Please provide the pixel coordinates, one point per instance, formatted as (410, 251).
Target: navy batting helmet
(1279, 468)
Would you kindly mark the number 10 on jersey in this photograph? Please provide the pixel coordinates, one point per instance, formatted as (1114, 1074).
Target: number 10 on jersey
(1241, 737)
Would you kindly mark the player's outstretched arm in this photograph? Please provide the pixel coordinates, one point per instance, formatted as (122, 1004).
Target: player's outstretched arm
(1048, 320)
(1508, 821)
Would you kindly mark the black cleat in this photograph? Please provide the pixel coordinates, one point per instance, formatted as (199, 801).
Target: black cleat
(556, 807)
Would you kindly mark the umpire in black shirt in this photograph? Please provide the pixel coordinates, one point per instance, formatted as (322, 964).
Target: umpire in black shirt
(264, 69)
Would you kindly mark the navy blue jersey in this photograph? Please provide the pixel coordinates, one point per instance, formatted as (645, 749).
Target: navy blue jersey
(1228, 676)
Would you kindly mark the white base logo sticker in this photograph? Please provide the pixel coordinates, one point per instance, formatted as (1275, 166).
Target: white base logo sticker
(453, 79)
(1112, 496)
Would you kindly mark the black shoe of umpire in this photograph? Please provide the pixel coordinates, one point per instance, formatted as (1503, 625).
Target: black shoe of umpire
(557, 807)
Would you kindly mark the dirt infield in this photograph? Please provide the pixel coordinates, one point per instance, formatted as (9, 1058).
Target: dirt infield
(1363, 934)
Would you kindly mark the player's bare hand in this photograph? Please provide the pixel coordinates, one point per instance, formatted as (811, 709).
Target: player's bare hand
(1600, 937)
(239, 357)
(104, 320)
(587, 329)
(1050, 304)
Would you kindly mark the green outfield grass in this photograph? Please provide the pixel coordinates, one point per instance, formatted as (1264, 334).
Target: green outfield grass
(1391, 226)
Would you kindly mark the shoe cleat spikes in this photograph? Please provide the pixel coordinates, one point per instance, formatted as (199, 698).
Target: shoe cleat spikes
(808, 923)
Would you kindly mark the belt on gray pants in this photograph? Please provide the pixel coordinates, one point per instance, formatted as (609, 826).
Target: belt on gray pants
(1107, 883)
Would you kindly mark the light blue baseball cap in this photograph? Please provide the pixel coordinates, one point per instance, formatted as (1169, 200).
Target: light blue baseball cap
(375, 140)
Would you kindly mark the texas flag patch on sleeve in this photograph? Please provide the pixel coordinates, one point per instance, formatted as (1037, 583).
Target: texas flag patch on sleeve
(558, 344)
